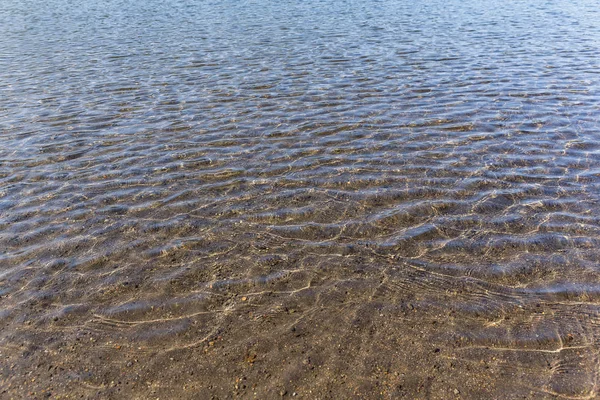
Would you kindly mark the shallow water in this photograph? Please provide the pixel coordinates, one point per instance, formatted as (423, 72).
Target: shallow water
(337, 199)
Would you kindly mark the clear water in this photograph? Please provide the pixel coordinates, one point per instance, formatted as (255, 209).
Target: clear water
(338, 199)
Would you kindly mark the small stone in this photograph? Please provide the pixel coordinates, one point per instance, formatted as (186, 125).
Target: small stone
(456, 391)
(282, 392)
(244, 298)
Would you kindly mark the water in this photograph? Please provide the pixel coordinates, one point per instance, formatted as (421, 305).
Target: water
(338, 199)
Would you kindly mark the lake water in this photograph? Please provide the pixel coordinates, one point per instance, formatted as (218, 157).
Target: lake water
(319, 199)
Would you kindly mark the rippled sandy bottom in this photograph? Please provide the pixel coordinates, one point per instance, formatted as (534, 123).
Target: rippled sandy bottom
(358, 338)
(319, 200)
(335, 329)
(194, 308)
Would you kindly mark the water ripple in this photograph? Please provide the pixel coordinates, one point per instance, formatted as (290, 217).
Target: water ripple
(338, 198)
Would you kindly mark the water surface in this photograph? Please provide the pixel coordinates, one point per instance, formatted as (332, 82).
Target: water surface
(337, 199)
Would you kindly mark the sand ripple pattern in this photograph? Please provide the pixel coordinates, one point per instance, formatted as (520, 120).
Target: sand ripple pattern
(347, 197)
